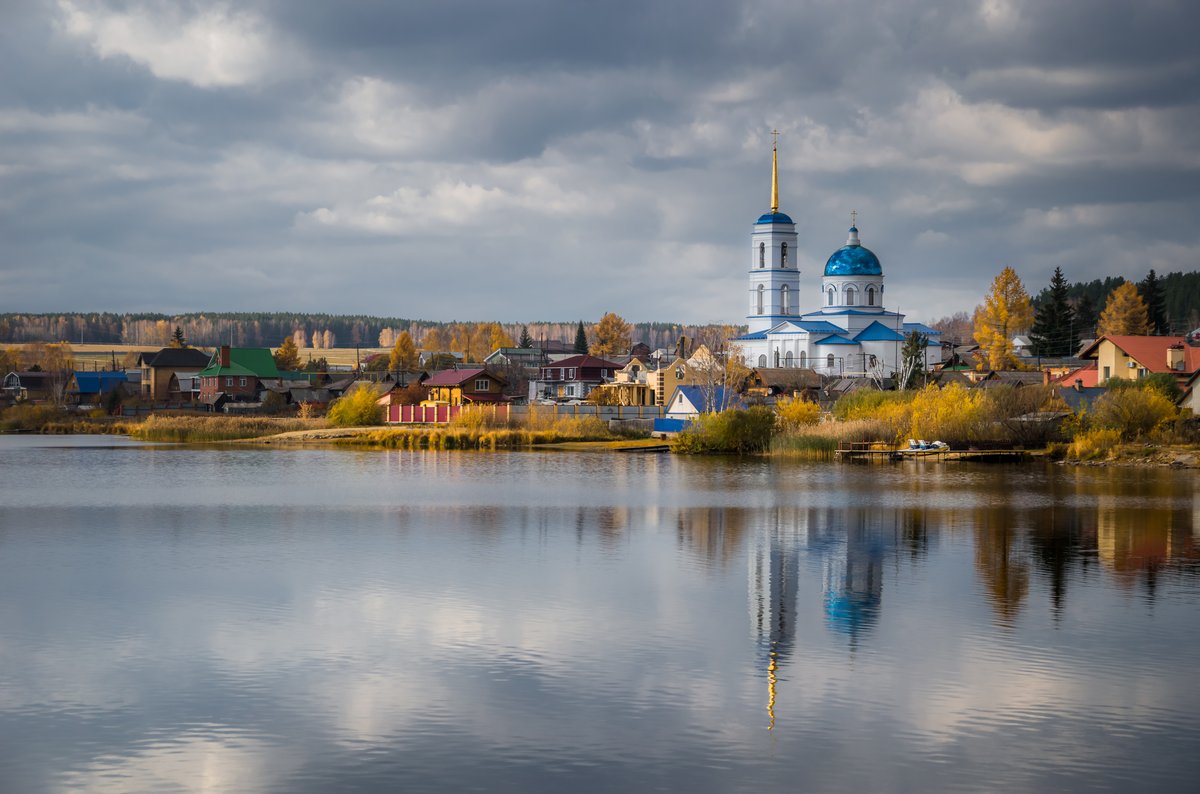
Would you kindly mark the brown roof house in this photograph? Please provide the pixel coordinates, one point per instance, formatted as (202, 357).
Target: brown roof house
(463, 387)
(166, 372)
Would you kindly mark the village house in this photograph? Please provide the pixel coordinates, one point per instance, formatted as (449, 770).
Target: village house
(464, 387)
(632, 384)
(571, 378)
(33, 386)
(169, 374)
(1135, 357)
(235, 374)
(90, 388)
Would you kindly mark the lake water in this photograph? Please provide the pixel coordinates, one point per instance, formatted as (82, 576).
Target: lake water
(319, 620)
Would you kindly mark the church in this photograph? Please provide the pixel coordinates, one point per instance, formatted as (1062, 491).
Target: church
(852, 334)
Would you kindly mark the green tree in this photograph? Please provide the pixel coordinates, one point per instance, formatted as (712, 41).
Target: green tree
(287, 357)
(1006, 311)
(356, 408)
(912, 360)
(404, 354)
(526, 340)
(1124, 314)
(1086, 317)
(1054, 331)
(1156, 310)
(178, 340)
(610, 336)
(581, 342)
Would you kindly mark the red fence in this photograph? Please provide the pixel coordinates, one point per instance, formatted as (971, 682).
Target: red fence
(438, 414)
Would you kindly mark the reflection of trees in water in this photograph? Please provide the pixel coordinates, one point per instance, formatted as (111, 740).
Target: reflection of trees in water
(1003, 569)
(714, 534)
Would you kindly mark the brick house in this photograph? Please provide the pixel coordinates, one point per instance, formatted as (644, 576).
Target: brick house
(572, 378)
(235, 374)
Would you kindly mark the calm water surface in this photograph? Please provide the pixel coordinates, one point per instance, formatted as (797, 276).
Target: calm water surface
(322, 620)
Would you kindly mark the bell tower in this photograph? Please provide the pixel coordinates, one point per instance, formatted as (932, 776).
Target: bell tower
(774, 275)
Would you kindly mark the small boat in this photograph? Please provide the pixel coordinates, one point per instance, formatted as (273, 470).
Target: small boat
(917, 448)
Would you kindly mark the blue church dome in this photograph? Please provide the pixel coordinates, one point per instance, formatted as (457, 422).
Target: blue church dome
(773, 217)
(853, 260)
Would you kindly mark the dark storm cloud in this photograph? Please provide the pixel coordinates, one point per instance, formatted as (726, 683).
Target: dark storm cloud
(578, 148)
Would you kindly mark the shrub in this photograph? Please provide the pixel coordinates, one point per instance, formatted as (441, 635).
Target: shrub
(868, 403)
(735, 430)
(356, 408)
(795, 414)
(1133, 412)
(1094, 444)
(29, 417)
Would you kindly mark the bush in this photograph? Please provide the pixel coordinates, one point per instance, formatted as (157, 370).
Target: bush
(356, 408)
(1094, 444)
(1162, 382)
(795, 414)
(1133, 413)
(216, 428)
(29, 417)
(735, 430)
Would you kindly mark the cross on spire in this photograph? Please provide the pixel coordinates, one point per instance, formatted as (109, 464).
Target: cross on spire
(774, 170)
(854, 217)
(774, 138)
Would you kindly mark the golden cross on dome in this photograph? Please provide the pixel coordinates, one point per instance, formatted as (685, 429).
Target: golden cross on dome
(774, 138)
(854, 217)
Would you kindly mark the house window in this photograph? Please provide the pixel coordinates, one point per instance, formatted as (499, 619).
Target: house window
(760, 299)
(829, 361)
(229, 381)
(783, 299)
(241, 381)
(571, 374)
(870, 296)
(783, 255)
(679, 373)
(829, 299)
(571, 391)
(762, 360)
(849, 296)
(1107, 373)
(787, 359)
(482, 384)
(762, 255)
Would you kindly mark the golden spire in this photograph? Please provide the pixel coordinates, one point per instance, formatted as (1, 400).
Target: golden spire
(774, 170)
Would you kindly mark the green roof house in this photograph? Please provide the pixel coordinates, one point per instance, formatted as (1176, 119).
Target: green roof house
(236, 374)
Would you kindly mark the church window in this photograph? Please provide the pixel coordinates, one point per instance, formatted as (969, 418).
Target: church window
(849, 296)
(762, 254)
(829, 300)
(787, 359)
(760, 299)
(829, 361)
(762, 360)
(783, 255)
(777, 358)
(803, 359)
(870, 296)
(784, 302)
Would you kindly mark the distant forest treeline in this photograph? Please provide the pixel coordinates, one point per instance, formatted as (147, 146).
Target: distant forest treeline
(1180, 291)
(268, 329)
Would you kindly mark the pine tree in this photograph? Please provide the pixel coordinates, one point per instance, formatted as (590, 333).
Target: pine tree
(287, 357)
(1156, 311)
(912, 359)
(178, 340)
(1005, 311)
(612, 336)
(1085, 316)
(1054, 331)
(581, 343)
(404, 355)
(1124, 314)
(526, 340)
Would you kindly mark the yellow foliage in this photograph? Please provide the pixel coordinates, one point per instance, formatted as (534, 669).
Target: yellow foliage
(610, 336)
(1094, 444)
(356, 408)
(794, 414)
(1006, 311)
(1125, 313)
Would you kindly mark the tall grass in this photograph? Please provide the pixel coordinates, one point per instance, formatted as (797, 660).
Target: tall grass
(190, 429)
(479, 436)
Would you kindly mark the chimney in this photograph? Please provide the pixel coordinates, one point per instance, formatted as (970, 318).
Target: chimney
(224, 355)
(1079, 384)
(1175, 356)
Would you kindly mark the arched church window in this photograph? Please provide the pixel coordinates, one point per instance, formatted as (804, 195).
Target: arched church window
(783, 255)
(829, 300)
(762, 254)
(787, 359)
(760, 299)
(776, 358)
(849, 296)
(762, 360)
(870, 296)
(803, 359)
(784, 302)
(829, 361)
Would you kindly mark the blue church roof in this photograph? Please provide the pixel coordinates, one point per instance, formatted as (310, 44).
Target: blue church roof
(773, 217)
(921, 328)
(878, 332)
(853, 260)
(836, 340)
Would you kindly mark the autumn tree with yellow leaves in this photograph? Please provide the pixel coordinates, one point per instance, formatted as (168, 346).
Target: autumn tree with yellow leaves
(610, 336)
(287, 357)
(1125, 313)
(404, 354)
(1006, 311)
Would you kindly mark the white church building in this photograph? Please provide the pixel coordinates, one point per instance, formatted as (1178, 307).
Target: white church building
(852, 334)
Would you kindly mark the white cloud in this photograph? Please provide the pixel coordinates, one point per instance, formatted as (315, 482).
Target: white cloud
(217, 47)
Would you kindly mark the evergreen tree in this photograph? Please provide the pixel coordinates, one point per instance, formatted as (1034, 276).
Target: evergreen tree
(1086, 317)
(581, 343)
(1124, 314)
(1054, 331)
(912, 360)
(178, 340)
(1156, 311)
(526, 340)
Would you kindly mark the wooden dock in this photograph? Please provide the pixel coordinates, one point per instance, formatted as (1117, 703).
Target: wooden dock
(874, 453)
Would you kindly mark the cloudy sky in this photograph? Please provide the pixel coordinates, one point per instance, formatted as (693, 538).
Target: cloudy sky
(538, 159)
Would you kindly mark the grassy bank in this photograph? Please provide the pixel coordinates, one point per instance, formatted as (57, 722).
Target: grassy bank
(472, 437)
(199, 429)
